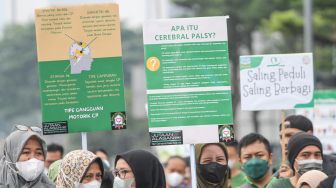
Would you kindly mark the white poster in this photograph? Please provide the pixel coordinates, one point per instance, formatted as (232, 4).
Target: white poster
(276, 81)
(323, 116)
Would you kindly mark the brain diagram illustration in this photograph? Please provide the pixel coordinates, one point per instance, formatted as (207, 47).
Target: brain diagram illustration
(80, 56)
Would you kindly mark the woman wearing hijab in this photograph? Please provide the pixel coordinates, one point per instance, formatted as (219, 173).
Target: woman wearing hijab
(23, 158)
(54, 169)
(138, 169)
(212, 170)
(80, 169)
(311, 179)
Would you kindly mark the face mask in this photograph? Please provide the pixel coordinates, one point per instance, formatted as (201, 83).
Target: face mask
(231, 163)
(255, 168)
(174, 179)
(122, 183)
(91, 184)
(213, 172)
(307, 165)
(45, 171)
(30, 169)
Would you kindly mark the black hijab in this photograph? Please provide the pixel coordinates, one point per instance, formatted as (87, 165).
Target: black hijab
(147, 169)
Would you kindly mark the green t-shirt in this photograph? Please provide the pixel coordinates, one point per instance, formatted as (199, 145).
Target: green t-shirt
(249, 184)
(280, 183)
(238, 180)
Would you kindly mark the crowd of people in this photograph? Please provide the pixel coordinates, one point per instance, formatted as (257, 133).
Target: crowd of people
(248, 163)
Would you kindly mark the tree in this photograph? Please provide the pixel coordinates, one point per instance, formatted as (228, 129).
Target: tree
(132, 46)
(245, 18)
(289, 23)
(18, 72)
(20, 97)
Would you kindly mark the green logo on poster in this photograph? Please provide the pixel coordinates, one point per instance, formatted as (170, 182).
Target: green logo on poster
(275, 62)
(118, 120)
(245, 62)
(226, 133)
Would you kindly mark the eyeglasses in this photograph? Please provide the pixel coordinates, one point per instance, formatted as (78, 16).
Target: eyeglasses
(28, 128)
(91, 176)
(121, 173)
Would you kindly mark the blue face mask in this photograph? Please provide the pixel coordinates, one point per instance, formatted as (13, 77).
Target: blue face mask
(255, 168)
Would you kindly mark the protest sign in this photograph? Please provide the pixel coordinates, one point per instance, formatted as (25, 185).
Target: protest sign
(276, 81)
(188, 80)
(323, 116)
(80, 68)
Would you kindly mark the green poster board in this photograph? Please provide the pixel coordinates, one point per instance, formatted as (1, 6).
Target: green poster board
(80, 68)
(188, 80)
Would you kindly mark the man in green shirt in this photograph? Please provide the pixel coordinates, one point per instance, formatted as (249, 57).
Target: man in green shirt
(255, 156)
(238, 177)
(304, 154)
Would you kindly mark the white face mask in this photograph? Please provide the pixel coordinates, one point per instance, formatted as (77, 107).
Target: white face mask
(91, 184)
(231, 163)
(30, 169)
(174, 179)
(308, 161)
(45, 171)
(122, 183)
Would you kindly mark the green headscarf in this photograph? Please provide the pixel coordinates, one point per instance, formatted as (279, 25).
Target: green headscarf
(53, 170)
(201, 182)
(11, 153)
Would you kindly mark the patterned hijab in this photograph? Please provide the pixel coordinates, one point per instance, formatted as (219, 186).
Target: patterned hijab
(10, 155)
(74, 166)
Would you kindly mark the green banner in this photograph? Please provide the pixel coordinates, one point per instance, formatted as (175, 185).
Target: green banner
(188, 79)
(80, 69)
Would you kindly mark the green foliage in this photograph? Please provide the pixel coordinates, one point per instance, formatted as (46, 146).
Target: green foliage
(273, 16)
(290, 24)
(132, 46)
(18, 72)
(287, 22)
(280, 22)
(245, 18)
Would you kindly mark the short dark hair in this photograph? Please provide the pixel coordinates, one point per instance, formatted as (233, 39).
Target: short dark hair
(175, 157)
(100, 150)
(55, 147)
(250, 139)
(298, 122)
(187, 160)
(233, 144)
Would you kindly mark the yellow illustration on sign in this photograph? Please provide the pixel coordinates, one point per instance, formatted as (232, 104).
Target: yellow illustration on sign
(153, 64)
(89, 31)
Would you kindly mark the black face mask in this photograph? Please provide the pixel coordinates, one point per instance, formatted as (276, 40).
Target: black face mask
(213, 172)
